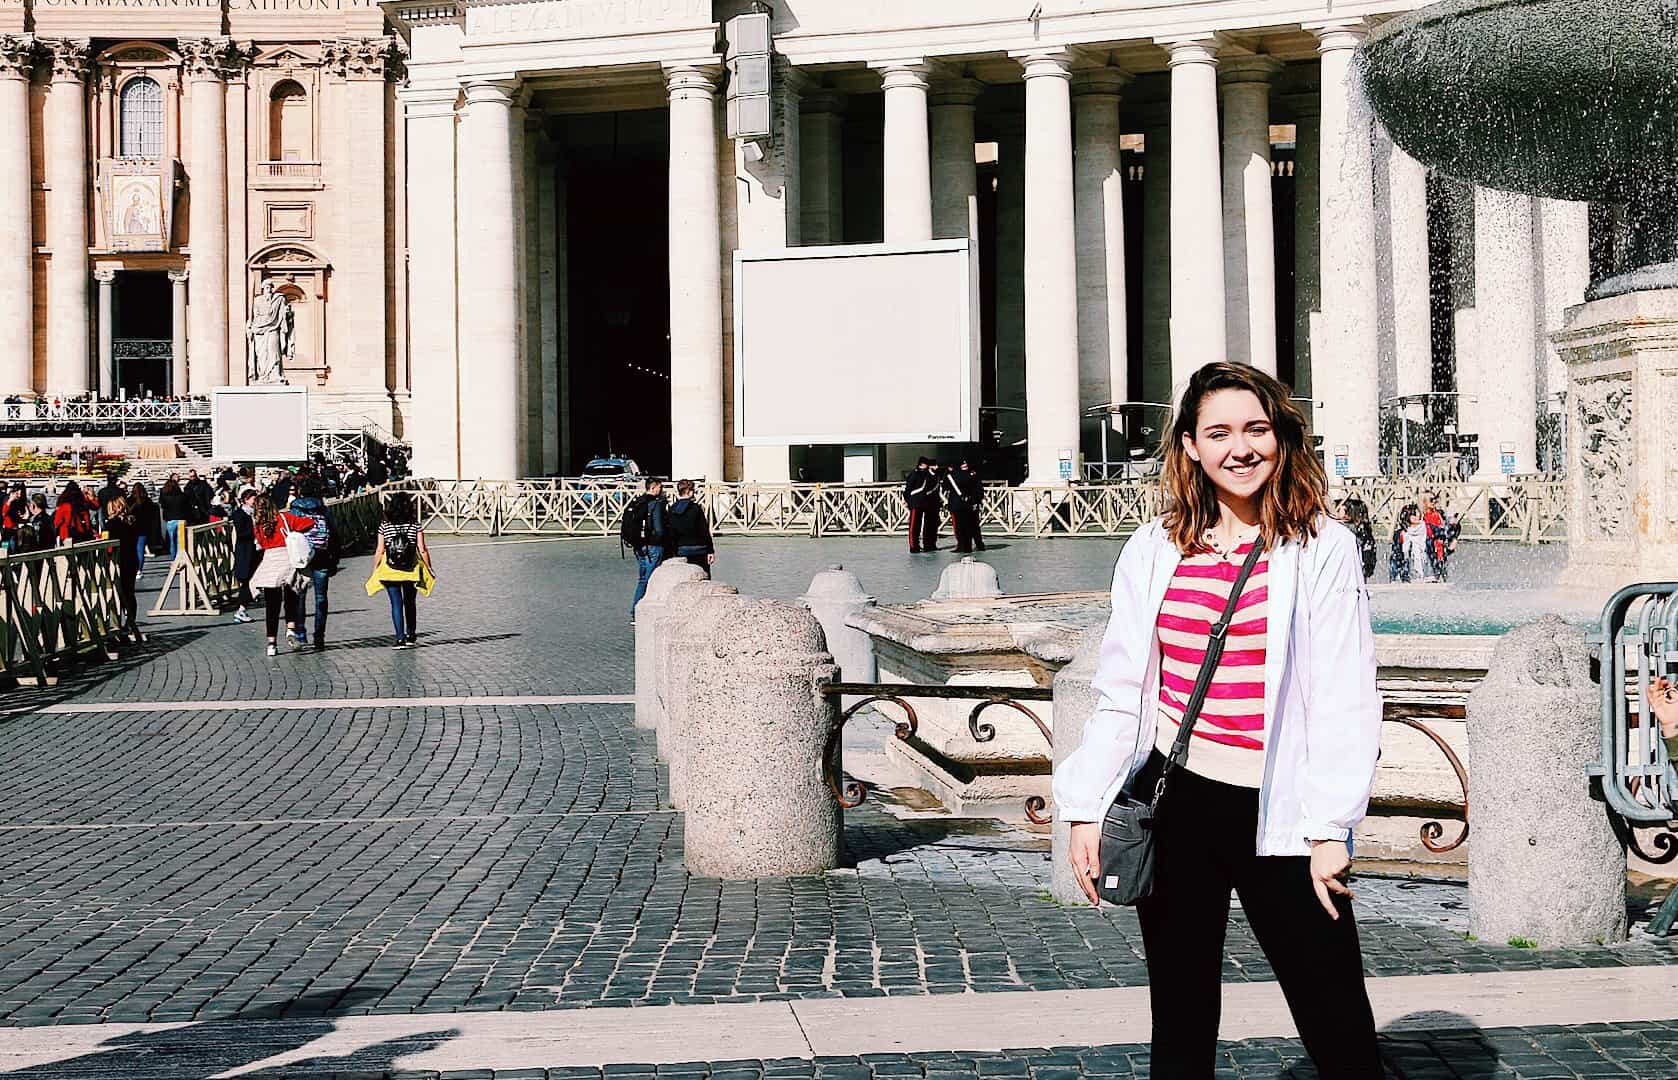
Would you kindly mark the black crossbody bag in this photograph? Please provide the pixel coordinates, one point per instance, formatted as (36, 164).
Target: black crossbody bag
(1127, 832)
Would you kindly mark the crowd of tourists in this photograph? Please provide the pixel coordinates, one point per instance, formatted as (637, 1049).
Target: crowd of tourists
(1422, 543)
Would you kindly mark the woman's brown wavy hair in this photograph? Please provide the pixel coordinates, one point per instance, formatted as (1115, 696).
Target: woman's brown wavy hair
(1298, 490)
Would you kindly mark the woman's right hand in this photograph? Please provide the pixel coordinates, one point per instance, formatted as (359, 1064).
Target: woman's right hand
(1084, 853)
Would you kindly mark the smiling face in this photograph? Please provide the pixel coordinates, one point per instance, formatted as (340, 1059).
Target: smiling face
(1234, 443)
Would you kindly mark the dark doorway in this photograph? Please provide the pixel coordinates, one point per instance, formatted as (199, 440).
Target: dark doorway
(141, 331)
(618, 255)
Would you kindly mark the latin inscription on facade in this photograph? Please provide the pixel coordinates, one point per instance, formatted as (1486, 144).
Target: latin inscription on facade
(575, 17)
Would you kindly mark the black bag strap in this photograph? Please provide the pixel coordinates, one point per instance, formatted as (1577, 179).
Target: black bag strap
(1203, 681)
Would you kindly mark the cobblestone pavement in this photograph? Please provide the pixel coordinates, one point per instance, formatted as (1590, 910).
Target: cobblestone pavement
(204, 864)
(1647, 1051)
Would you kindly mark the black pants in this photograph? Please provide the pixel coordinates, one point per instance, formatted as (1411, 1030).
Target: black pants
(965, 522)
(273, 599)
(1205, 848)
(923, 529)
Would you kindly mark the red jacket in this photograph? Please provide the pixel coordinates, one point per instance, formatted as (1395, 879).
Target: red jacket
(72, 522)
(277, 537)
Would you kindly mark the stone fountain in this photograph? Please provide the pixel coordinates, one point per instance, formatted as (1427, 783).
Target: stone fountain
(1572, 99)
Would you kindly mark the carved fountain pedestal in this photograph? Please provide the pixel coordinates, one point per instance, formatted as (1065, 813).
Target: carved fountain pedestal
(1622, 515)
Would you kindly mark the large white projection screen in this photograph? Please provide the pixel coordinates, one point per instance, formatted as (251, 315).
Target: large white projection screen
(258, 424)
(858, 343)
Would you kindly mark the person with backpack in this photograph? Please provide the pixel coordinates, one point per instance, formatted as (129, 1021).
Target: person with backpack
(273, 529)
(402, 567)
(323, 562)
(72, 519)
(645, 530)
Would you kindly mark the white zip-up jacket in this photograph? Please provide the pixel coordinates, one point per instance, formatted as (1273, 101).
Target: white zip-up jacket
(1322, 712)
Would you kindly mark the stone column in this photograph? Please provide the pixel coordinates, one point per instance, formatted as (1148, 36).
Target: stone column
(65, 124)
(549, 205)
(1098, 183)
(1156, 256)
(1249, 228)
(1347, 369)
(1010, 278)
(908, 177)
(106, 278)
(526, 131)
(1197, 235)
(207, 340)
(1564, 270)
(696, 390)
(1411, 288)
(821, 119)
(177, 332)
(955, 183)
(489, 283)
(1051, 269)
(1500, 380)
(432, 279)
(1307, 210)
(17, 272)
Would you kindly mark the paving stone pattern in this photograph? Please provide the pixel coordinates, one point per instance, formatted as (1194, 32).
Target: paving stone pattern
(1644, 1051)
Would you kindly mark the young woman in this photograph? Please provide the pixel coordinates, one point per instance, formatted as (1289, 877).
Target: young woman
(1282, 757)
(274, 573)
(121, 527)
(402, 565)
(147, 524)
(244, 551)
(176, 509)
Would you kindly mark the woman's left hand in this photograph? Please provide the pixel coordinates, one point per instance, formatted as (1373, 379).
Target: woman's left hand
(1329, 863)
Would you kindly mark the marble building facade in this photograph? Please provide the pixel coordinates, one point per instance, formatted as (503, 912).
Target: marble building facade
(159, 162)
(508, 226)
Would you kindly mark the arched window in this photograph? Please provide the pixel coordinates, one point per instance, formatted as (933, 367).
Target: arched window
(290, 133)
(140, 120)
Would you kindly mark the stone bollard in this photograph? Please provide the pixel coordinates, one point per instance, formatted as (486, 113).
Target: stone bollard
(678, 610)
(967, 579)
(1074, 704)
(756, 728)
(834, 595)
(647, 614)
(1544, 862)
(687, 650)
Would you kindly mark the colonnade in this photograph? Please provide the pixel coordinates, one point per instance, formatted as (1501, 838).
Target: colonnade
(1362, 323)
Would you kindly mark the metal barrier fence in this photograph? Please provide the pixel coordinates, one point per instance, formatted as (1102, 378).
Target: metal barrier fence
(60, 605)
(1636, 643)
(201, 576)
(1524, 511)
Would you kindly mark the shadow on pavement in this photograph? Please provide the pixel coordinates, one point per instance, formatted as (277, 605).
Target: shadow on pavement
(201, 1050)
(1427, 1044)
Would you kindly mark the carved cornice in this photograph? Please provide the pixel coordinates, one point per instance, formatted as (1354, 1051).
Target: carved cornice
(211, 58)
(363, 58)
(69, 57)
(18, 53)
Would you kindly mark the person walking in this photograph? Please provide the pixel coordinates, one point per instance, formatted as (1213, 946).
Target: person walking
(72, 518)
(690, 532)
(244, 551)
(14, 516)
(274, 573)
(120, 526)
(1261, 791)
(176, 509)
(964, 494)
(920, 494)
(143, 512)
(402, 567)
(322, 564)
(645, 531)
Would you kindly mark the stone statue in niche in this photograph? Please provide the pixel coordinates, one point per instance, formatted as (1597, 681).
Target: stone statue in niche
(1604, 452)
(271, 331)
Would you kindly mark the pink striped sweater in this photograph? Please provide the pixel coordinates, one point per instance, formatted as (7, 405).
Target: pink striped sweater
(1228, 740)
